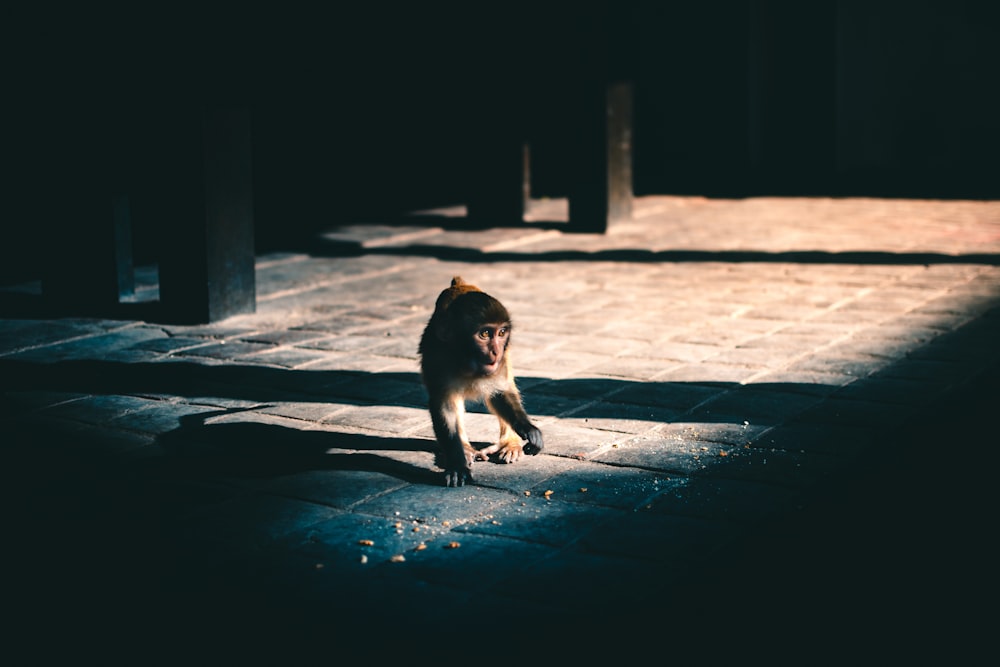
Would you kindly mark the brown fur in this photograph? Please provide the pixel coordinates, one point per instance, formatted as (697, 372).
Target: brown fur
(465, 355)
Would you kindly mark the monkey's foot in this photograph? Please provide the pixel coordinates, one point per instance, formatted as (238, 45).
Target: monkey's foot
(506, 452)
(458, 469)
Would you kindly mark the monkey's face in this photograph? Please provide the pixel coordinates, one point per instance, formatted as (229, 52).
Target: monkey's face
(474, 331)
(489, 343)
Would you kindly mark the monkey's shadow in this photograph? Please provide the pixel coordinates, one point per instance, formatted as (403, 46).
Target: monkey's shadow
(258, 450)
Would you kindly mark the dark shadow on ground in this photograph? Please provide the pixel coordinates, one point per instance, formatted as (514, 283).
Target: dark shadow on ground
(893, 550)
(266, 385)
(256, 450)
(637, 255)
(890, 555)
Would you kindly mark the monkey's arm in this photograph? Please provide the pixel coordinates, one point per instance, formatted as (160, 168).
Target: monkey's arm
(507, 406)
(446, 416)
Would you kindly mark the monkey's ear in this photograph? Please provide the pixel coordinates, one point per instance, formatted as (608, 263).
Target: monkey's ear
(457, 280)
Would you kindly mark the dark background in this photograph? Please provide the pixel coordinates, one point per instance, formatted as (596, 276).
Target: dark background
(359, 113)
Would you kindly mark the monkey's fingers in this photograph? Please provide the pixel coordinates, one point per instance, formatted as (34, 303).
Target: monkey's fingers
(534, 442)
(511, 453)
(456, 478)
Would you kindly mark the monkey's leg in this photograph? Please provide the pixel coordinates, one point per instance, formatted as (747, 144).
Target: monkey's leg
(515, 427)
(447, 417)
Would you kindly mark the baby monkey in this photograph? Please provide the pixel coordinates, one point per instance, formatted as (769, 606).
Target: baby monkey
(464, 354)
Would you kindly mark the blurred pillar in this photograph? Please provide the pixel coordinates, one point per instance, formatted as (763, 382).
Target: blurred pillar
(601, 164)
(207, 262)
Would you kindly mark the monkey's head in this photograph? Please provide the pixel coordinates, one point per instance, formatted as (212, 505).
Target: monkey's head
(476, 324)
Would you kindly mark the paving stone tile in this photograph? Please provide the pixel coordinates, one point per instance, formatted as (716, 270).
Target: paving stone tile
(159, 416)
(454, 505)
(632, 369)
(854, 365)
(791, 342)
(539, 520)
(226, 350)
(893, 330)
(609, 486)
(757, 405)
(210, 332)
(759, 357)
(284, 337)
(798, 470)
(389, 419)
(857, 412)
(723, 499)
(679, 396)
(286, 357)
(314, 411)
(18, 334)
(630, 417)
(99, 346)
(884, 387)
(100, 409)
(471, 562)
(843, 440)
(353, 544)
(672, 454)
(577, 442)
(349, 343)
(863, 345)
(334, 488)
(712, 374)
(522, 475)
(539, 402)
(346, 324)
(557, 365)
(807, 382)
(171, 344)
(388, 387)
(257, 520)
(584, 387)
(672, 350)
(783, 312)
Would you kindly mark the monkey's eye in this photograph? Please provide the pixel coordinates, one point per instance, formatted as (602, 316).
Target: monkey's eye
(502, 331)
(484, 334)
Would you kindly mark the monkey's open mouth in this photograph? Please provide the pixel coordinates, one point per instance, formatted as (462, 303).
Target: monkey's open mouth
(489, 368)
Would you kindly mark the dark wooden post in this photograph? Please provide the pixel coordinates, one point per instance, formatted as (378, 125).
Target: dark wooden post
(601, 186)
(207, 265)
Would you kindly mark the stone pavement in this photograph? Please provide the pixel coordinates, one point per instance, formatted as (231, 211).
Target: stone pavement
(713, 379)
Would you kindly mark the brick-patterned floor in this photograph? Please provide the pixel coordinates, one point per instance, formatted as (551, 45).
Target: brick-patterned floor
(703, 373)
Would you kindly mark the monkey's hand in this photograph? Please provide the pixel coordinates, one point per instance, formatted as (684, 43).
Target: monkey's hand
(513, 443)
(533, 440)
